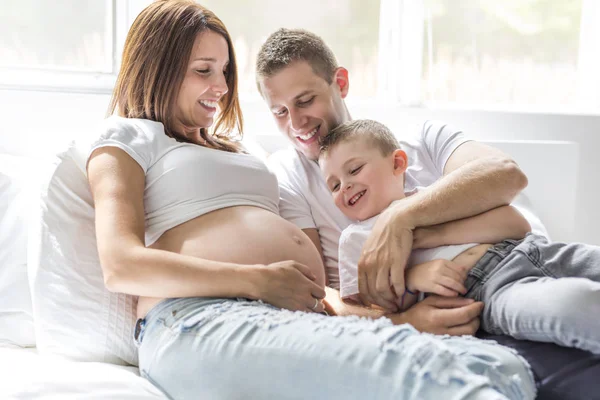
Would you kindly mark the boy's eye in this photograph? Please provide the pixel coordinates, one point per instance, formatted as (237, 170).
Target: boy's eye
(335, 187)
(203, 71)
(355, 170)
(280, 113)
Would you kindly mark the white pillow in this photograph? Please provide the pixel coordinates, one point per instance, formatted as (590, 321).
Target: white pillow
(16, 195)
(75, 316)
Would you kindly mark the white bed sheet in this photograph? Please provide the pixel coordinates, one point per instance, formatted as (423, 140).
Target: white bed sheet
(24, 374)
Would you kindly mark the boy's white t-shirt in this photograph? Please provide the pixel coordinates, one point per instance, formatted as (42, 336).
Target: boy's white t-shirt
(305, 199)
(353, 239)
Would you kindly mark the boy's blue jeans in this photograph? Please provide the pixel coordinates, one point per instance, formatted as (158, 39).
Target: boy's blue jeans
(207, 348)
(540, 291)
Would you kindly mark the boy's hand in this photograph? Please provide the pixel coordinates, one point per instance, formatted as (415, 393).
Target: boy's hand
(442, 277)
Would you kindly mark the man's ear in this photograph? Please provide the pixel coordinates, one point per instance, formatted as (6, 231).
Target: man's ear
(340, 77)
(400, 162)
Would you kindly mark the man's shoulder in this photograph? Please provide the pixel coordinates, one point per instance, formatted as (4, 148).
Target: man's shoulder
(420, 130)
(287, 162)
(284, 157)
(434, 130)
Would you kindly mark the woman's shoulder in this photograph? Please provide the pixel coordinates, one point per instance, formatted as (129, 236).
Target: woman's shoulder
(140, 134)
(134, 127)
(141, 139)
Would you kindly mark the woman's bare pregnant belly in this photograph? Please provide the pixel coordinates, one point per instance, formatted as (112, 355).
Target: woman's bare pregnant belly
(242, 235)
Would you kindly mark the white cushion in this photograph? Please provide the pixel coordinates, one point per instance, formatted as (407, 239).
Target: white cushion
(75, 316)
(16, 195)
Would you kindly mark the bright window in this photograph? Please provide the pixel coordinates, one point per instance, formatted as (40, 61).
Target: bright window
(509, 54)
(29, 37)
(525, 54)
(66, 45)
(349, 27)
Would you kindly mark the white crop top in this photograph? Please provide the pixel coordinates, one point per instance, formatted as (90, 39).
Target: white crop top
(183, 180)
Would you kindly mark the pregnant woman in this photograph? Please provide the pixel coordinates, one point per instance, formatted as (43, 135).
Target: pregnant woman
(230, 294)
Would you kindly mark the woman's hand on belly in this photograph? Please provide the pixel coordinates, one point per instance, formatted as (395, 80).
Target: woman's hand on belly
(289, 285)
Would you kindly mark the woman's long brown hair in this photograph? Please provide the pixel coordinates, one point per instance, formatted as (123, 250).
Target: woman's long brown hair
(157, 50)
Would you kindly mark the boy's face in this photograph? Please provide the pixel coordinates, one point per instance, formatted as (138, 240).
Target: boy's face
(304, 105)
(362, 181)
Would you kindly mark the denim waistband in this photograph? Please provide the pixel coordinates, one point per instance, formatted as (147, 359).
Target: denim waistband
(180, 302)
(488, 263)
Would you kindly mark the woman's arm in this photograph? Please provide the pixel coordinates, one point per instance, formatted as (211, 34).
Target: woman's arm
(117, 183)
(492, 226)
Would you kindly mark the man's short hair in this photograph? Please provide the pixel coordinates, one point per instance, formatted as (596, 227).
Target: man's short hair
(285, 46)
(375, 133)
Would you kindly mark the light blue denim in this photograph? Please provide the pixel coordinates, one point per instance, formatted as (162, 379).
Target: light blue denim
(542, 291)
(203, 348)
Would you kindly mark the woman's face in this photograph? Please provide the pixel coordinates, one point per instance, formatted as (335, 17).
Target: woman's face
(203, 85)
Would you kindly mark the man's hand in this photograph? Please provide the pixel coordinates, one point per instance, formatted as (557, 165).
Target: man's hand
(382, 262)
(442, 315)
(443, 277)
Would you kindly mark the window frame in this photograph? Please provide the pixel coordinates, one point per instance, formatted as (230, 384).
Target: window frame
(401, 61)
(400, 51)
(122, 13)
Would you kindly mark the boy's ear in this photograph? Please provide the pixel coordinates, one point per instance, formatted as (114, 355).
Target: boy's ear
(340, 77)
(400, 162)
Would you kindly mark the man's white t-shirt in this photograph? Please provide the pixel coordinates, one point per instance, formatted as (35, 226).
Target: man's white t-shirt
(305, 199)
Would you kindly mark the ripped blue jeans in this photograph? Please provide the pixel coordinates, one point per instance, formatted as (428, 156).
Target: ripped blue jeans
(194, 348)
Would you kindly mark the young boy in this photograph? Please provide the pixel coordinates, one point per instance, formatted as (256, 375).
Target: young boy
(532, 289)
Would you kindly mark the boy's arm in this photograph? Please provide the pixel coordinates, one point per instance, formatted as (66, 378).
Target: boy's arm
(492, 226)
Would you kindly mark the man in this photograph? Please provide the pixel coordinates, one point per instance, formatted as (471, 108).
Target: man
(299, 78)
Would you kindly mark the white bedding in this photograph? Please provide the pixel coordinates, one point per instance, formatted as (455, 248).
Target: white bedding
(27, 375)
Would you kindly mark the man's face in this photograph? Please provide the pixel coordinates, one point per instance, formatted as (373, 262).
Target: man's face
(304, 105)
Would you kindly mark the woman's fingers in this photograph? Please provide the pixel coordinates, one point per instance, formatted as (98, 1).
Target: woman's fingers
(315, 306)
(317, 291)
(305, 271)
(292, 286)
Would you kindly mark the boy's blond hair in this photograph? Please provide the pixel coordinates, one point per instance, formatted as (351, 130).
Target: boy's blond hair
(376, 134)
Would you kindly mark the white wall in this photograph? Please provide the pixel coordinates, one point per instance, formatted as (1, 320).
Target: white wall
(34, 123)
